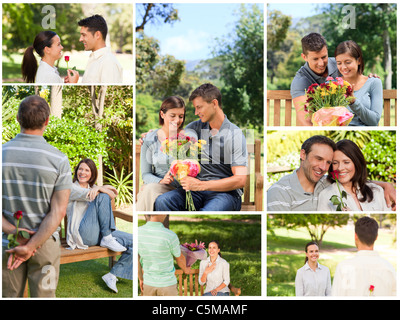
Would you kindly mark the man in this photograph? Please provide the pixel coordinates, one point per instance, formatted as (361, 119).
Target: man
(218, 187)
(36, 181)
(157, 249)
(366, 273)
(299, 191)
(316, 69)
(102, 66)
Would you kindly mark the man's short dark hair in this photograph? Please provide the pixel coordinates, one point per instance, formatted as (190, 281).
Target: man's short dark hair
(313, 42)
(366, 229)
(33, 112)
(208, 92)
(318, 139)
(95, 23)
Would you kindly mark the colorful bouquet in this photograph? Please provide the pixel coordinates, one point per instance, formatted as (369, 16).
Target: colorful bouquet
(185, 150)
(338, 200)
(327, 103)
(193, 252)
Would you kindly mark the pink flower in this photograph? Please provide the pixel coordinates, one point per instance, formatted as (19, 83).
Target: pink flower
(340, 81)
(329, 79)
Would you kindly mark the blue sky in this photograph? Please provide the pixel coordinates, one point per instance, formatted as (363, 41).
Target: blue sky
(296, 10)
(193, 36)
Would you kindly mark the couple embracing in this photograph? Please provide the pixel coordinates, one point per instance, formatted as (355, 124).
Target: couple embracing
(348, 64)
(102, 66)
(309, 188)
(223, 164)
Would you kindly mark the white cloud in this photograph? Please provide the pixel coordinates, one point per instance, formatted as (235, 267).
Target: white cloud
(191, 45)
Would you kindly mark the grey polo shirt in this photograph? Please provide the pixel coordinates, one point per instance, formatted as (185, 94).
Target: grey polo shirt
(32, 170)
(224, 150)
(288, 195)
(306, 77)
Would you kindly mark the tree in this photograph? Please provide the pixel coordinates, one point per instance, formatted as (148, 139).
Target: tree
(316, 224)
(242, 68)
(154, 12)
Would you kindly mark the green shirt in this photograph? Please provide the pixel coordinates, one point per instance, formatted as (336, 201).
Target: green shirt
(157, 248)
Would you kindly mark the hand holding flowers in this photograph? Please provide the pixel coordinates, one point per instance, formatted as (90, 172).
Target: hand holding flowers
(327, 103)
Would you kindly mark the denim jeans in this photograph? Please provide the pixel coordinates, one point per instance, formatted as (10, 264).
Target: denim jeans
(97, 223)
(175, 200)
(218, 294)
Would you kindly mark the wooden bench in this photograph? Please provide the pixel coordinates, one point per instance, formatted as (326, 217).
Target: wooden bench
(189, 284)
(280, 101)
(255, 186)
(93, 252)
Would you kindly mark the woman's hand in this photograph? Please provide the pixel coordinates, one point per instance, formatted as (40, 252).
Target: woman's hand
(210, 268)
(92, 194)
(168, 178)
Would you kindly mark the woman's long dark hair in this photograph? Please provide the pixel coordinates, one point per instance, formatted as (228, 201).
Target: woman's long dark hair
(307, 245)
(351, 150)
(29, 63)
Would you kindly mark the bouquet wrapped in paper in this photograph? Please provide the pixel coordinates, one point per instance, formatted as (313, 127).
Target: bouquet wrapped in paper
(185, 150)
(193, 252)
(327, 103)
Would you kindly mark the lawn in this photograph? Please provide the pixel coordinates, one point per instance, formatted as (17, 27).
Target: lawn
(286, 254)
(240, 241)
(83, 279)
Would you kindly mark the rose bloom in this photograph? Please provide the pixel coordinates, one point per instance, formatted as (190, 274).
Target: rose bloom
(66, 58)
(18, 215)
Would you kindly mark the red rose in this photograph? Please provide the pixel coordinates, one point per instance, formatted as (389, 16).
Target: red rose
(371, 288)
(18, 215)
(66, 58)
(335, 174)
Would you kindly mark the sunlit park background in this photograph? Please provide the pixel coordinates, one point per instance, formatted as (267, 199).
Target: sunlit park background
(183, 45)
(287, 235)
(21, 22)
(240, 240)
(86, 122)
(288, 23)
(377, 146)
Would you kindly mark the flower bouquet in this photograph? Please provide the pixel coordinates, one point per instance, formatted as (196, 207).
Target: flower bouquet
(185, 150)
(327, 103)
(193, 252)
(338, 200)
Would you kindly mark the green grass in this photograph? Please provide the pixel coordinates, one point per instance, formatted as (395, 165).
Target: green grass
(83, 279)
(240, 245)
(286, 254)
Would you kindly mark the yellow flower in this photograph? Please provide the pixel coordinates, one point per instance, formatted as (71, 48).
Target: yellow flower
(202, 141)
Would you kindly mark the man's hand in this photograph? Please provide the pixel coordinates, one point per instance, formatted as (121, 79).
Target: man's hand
(298, 104)
(191, 184)
(18, 255)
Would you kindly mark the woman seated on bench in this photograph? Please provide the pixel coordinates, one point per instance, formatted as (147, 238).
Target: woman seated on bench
(214, 272)
(91, 221)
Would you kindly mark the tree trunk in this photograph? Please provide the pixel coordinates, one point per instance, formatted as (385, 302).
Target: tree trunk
(56, 101)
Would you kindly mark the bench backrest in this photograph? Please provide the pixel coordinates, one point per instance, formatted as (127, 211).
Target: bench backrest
(280, 101)
(254, 160)
(189, 284)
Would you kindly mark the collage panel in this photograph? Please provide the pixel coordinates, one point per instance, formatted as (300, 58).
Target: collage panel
(345, 255)
(199, 107)
(66, 155)
(331, 170)
(84, 43)
(326, 67)
(192, 255)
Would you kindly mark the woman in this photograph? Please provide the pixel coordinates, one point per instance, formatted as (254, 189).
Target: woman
(368, 93)
(350, 165)
(214, 272)
(313, 279)
(91, 221)
(47, 45)
(154, 163)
